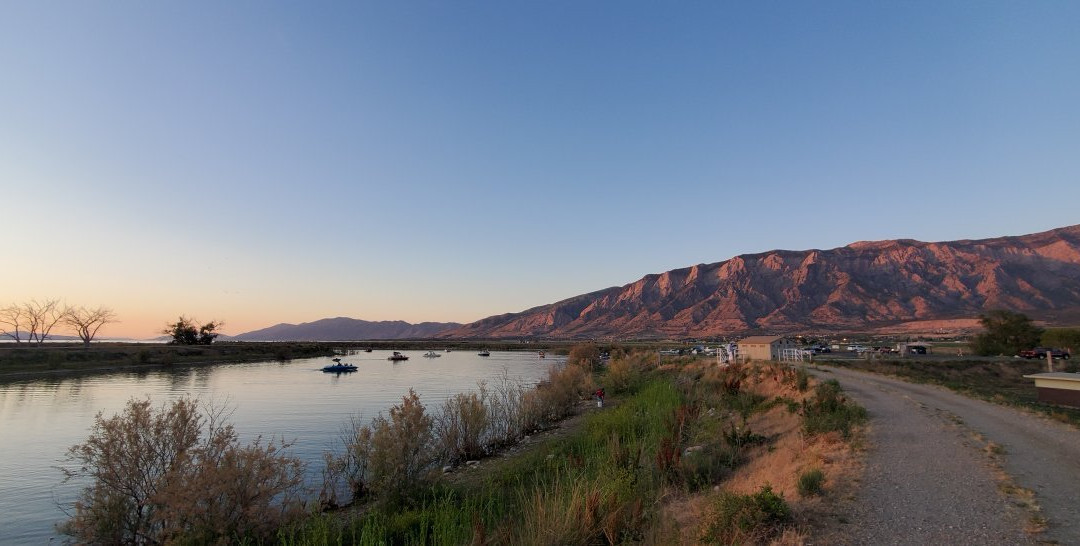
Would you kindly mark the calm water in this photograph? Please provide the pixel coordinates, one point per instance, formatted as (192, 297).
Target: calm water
(39, 420)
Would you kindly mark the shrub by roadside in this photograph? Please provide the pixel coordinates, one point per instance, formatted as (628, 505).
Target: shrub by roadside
(829, 410)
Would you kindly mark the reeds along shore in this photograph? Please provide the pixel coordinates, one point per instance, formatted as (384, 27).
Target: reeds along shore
(672, 430)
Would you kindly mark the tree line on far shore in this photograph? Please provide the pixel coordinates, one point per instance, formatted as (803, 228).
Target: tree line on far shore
(34, 321)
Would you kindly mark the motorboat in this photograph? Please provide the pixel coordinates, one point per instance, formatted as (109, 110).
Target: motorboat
(485, 352)
(397, 356)
(432, 354)
(339, 367)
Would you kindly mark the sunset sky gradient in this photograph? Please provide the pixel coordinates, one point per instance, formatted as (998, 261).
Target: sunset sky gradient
(265, 162)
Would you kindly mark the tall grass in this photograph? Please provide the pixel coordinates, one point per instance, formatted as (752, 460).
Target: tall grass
(599, 483)
(592, 486)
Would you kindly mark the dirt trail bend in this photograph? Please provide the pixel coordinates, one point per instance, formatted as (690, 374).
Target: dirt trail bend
(927, 482)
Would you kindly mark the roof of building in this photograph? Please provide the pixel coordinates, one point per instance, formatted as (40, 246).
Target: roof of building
(760, 339)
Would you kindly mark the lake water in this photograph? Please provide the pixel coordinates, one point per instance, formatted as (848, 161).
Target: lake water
(40, 420)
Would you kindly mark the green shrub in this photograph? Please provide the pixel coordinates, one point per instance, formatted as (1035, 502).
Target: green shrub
(829, 410)
(744, 402)
(744, 519)
(811, 482)
(702, 468)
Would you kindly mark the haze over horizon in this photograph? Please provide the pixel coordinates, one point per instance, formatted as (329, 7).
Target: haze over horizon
(264, 163)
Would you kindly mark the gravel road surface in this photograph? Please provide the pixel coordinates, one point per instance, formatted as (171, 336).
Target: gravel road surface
(928, 481)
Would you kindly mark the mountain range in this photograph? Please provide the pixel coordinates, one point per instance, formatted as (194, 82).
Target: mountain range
(860, 286)
(346, 329)
(855, 287)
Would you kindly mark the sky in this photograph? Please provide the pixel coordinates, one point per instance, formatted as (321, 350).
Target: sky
(266, 162)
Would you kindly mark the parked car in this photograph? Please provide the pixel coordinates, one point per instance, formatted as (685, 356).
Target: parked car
(916, 349)
(1040, 352)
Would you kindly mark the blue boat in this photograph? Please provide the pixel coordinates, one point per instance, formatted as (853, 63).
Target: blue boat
(338, 367)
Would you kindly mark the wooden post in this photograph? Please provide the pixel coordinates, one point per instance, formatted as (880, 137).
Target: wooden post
(1050, 360)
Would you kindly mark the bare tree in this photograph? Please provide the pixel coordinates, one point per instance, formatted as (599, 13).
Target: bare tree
(87, 322)
(12, 322)
(41, 318)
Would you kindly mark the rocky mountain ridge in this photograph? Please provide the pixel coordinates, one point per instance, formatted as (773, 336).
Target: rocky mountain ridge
(857, 286)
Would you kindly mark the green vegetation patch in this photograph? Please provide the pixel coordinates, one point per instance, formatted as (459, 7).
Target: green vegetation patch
(829, 410)
(811, 482)
(745, 519)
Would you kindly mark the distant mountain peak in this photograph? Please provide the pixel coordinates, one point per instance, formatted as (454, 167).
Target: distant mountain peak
(347, 329)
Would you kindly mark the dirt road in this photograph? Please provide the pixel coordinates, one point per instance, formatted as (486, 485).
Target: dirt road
(929, 479)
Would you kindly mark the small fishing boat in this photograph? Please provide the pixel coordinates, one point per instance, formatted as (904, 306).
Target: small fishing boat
(432, 354)
(339, 367)
(397, 356)
(485, 352)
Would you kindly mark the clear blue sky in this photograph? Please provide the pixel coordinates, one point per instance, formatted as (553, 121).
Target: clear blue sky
(265, 162)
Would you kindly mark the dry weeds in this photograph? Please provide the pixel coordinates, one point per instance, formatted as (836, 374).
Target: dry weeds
(779, 461)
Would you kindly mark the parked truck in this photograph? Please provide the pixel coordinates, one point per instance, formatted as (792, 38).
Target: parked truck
(1040, 352)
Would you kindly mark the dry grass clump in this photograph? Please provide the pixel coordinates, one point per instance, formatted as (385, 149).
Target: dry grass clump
(462, 427)
(754, 414)
(625, 371)
(556, 397)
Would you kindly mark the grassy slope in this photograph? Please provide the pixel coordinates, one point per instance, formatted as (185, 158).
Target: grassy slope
(624, 473)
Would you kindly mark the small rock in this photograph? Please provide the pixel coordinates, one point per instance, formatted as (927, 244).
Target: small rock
(472, 463)
(550, 456)
(692, 449)
(447, 469)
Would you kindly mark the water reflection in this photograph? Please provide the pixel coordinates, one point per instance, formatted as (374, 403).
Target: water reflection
(39, 420)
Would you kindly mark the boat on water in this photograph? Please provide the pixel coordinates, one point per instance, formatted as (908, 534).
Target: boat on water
(368, 350)
(485, 352)
(339, 367)
(540, 354)
(432, 354)
(397, 356)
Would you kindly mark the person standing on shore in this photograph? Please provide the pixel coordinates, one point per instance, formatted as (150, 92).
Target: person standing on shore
(599, 394)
